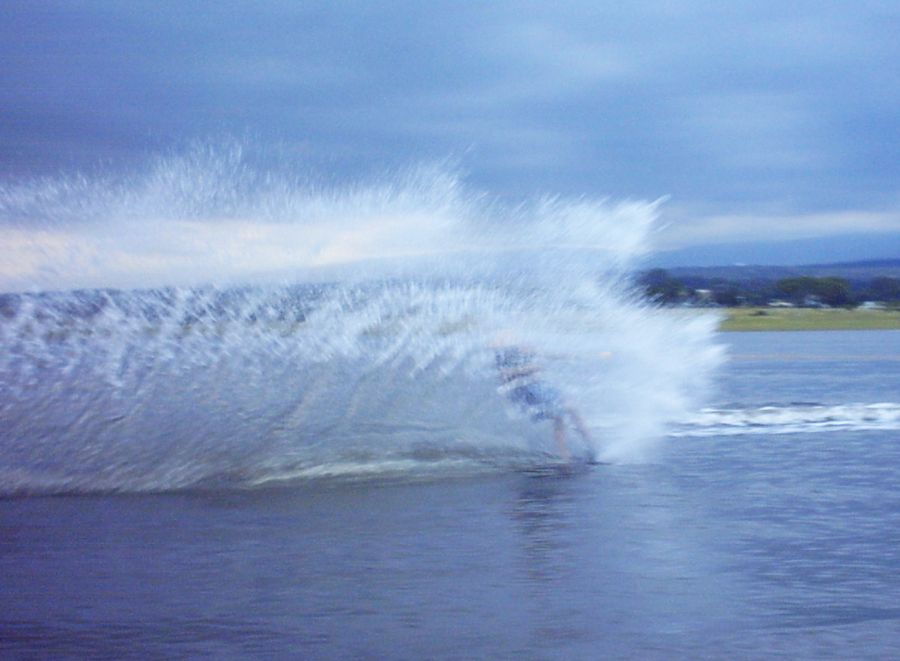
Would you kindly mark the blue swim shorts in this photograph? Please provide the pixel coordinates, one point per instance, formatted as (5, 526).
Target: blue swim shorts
(538, 400)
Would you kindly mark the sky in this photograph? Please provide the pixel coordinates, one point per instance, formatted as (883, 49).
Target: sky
(762, 123)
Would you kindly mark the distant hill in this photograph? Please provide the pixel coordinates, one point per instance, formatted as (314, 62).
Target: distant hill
(846, 248)
(858, 271)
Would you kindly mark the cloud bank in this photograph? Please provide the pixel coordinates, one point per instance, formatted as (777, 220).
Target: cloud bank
(741, 111)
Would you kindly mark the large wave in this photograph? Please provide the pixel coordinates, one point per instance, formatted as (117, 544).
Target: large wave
(208, 324)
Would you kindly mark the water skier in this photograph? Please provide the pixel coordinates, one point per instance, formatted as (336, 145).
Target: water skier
(522, 385)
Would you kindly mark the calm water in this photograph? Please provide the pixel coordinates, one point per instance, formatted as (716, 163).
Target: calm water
(769, 526)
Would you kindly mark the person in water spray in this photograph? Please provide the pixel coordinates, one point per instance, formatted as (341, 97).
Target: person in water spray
(522, 385)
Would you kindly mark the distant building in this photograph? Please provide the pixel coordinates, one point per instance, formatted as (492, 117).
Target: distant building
(780, 304)
(872, 305)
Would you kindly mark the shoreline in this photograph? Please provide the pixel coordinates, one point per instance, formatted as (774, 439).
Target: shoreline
(806, 319)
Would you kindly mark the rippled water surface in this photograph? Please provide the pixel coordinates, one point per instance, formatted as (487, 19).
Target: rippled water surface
(748, 535)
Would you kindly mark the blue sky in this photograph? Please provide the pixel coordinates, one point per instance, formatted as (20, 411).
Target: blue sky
(763, 121)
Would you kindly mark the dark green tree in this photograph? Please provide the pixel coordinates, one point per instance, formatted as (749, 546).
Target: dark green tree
(833, 291)
(830, 291)
(660, 286)
(884, 289)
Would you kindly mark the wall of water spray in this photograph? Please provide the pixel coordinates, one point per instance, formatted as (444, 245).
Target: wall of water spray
(207, 322)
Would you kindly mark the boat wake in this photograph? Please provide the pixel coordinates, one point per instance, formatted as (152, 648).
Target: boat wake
(794, 419)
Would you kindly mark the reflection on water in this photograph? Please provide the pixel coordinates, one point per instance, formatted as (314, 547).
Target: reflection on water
(540, 514)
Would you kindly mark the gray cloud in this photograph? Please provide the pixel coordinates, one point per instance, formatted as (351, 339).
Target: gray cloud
(731, 108)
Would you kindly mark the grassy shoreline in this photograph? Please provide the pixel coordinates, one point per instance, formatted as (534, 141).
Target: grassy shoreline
(797, 319)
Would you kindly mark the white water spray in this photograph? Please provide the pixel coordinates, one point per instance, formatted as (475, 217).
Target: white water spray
(243, 327)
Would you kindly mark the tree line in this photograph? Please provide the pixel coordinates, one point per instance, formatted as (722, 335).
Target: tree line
(659, 285)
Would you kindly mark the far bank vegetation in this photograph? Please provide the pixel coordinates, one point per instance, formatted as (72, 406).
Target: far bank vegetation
(806, 291)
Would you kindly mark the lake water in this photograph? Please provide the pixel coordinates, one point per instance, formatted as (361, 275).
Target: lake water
(766, 526)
